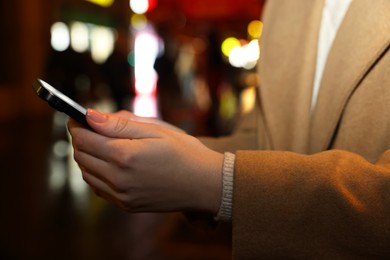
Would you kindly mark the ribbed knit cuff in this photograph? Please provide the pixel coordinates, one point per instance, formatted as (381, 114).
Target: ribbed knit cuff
(225, 209)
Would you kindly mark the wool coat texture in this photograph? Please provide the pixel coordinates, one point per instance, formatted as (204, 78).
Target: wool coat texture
(315, 184)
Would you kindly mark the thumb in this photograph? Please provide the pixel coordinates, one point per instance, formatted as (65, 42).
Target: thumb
(114, 126)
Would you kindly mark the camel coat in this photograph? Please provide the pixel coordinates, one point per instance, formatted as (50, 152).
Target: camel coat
(316, 185)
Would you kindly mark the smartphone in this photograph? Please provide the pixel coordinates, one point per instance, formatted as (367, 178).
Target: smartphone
(60, 102)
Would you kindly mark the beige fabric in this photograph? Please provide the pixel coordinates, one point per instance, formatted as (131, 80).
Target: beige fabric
(316, 187)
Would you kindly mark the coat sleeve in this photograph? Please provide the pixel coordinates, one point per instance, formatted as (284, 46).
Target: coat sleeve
(333, 204)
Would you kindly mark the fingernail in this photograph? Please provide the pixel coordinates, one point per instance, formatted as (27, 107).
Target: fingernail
(96, 116)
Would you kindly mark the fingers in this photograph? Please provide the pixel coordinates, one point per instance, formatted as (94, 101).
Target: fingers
(106, 180)
(117, 152)
(103, 190)
(150, 120)
(99, 187)
(92, 164)
(116, 126)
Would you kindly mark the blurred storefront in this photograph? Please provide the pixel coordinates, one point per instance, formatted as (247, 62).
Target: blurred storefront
(191, 63)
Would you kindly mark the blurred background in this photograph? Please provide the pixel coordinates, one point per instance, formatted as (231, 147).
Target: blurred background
(191, 63)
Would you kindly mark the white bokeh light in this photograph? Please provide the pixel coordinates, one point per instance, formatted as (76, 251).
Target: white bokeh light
(79, 37)
(102, 43)
(60, 38)
(139, 6)
(146, 49)
(245, 56)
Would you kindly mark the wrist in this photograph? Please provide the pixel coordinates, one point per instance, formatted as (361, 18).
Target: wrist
(209, 188)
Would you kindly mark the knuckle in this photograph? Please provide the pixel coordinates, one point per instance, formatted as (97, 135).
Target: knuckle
(127, 204)
(128, 200)
(119, 185)
(123, 112)
(77, 142)
(76, 155)
(85, 178)
(121, 124)
(123, 159)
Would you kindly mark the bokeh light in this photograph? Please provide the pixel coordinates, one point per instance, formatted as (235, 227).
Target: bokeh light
(145, 105)
(142, 6)
(248, 99)
(79, 37)
(146, 48)
(60, 38)
(139, 6)
(104, 3)
(228, 44)
(245, 56)
(255, 29)
(102, 43)
(138, 21)
(130, 58)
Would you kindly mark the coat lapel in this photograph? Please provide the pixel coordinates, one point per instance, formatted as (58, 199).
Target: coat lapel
(354, 52)
(287, 70)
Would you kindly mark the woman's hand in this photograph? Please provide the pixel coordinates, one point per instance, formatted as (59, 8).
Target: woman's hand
(145, 167)
(131, 116)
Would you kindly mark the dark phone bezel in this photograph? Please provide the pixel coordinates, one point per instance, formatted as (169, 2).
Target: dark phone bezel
(60, 102)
